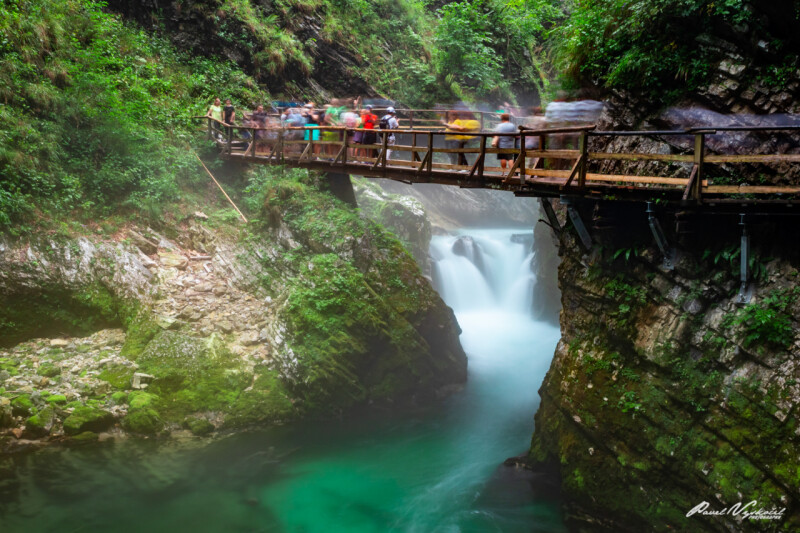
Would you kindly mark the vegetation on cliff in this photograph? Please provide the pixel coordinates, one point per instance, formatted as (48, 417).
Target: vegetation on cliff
(87, 102)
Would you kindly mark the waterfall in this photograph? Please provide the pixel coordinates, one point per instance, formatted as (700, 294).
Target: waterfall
(484, 270)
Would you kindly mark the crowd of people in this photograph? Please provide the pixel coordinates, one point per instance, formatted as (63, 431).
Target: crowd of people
(308, 123)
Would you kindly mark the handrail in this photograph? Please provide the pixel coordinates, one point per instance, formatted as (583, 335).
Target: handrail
(528, 164)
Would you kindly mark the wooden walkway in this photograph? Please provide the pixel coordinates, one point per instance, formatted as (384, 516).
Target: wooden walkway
(550, 170)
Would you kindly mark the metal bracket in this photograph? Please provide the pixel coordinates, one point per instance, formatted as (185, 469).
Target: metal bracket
(745, 292)
(661, 240)
(551, 216)
(580, 227)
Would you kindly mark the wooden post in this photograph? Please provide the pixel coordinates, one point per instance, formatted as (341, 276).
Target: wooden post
(230, 139)
(385, 149)
(482, 115)
(280, 146)
(430, 152)
(699, 154)
(411, 118)
(482, 158)
(250, 149)
(210, 132)
(522, 158)
(583, 146)
(344, 155)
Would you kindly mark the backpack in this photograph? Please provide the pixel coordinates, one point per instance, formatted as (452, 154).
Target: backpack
(384, 123)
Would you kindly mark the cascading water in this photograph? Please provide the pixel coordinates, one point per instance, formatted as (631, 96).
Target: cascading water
(434, 470)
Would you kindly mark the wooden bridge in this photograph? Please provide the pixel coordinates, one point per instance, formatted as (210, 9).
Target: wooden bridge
(561, 164)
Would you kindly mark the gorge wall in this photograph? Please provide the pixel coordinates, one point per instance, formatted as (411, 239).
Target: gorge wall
(664, 391)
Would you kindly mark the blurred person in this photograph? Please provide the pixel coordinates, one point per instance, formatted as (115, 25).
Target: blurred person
(389, 122)
(464, 122)
(504, 142)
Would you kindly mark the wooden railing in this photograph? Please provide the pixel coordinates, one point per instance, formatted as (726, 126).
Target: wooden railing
(560, 161)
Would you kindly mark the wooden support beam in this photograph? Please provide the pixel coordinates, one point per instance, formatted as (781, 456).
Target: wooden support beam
(690, 184)
(342, 150)
(306, 150)
(573, 173)
(514, 168)
(699, 155)
(583, 162)
(424, 162)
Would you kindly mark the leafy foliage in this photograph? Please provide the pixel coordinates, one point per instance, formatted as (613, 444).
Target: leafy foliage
(86, 103)
(768, 321)
(644, 45)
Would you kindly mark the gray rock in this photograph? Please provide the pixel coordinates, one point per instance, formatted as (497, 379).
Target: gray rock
(141, 381)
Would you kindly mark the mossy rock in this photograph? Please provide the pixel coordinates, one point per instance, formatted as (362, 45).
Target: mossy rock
(48, 370)
(40, 424)
(23, 406)
(118, 376)
(6, 416)
(119, 397)
(144, 421)
(141, 400)
(86, 436)
(87, 419)
(56, 399)
(198, 426)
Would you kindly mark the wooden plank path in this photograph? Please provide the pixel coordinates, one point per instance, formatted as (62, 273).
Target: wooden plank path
(549, 170)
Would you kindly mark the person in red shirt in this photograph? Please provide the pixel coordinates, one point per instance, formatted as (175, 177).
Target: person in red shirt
(368, 122)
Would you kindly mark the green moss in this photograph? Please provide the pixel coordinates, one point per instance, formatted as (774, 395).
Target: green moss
(57, 399)
(39, 424)
(268, 400)
(9, 365)
(119, 397)
(139, 331)
(198, 426)
(23, 406)
(144, 421)
(86, 436)
(49, 370)
(118, 376)
(87, 419)
(141, 400)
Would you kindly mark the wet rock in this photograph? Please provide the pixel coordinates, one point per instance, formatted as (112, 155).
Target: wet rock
(87, 419)
(22, 406)
(143, 421)
(40, 424)
(198, 426)
(225, 326)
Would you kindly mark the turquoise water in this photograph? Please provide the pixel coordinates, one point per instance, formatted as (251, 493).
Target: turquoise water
(429, 470)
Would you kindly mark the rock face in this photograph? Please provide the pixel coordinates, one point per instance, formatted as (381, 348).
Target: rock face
(309, 314)
(664, 393)
(403, 215)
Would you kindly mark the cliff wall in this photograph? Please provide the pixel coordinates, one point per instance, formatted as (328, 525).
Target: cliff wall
(665, 391)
